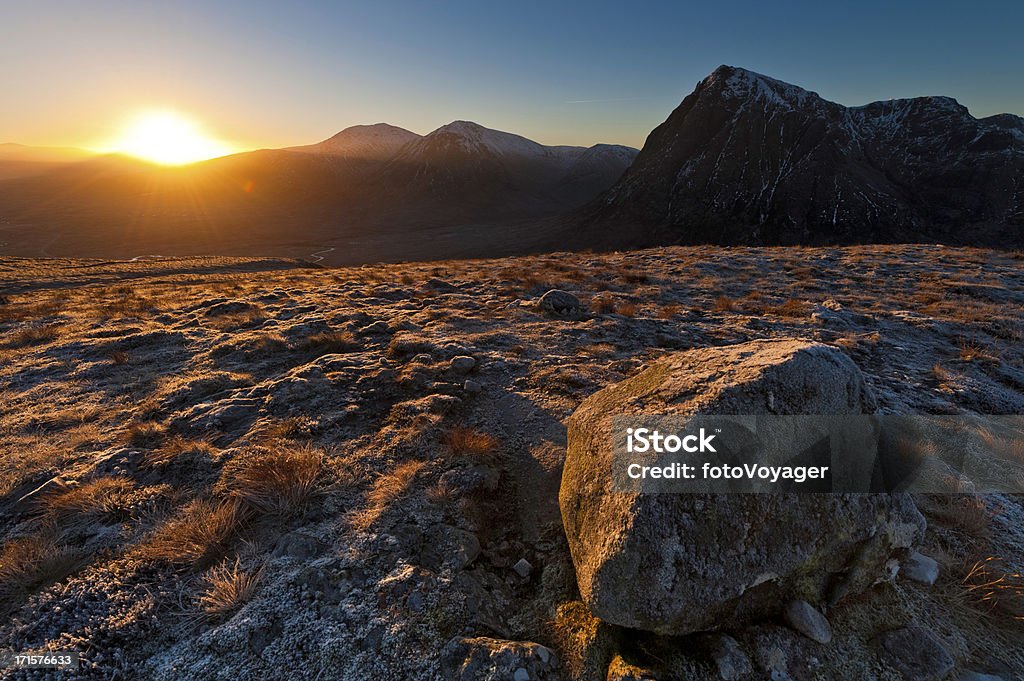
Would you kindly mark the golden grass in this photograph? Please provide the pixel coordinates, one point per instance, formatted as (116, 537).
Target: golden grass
(197, 537)
(670, 311)
(723, 304)
(36, 334)
(280, 481)
(329, 342)
(385, 490)
(993, 586)
(471, 443)
(602, 304)
(145, 435)
(174, 447)
(95, 501)
(227, 587)
(792, 308)
(29, 563)
(971, 350)
(626, 309)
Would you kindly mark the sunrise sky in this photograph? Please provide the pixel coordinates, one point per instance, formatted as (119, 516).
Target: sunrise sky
(258, 73)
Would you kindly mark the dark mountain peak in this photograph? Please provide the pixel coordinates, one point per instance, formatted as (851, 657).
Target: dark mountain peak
(735, 83)
(751, 159)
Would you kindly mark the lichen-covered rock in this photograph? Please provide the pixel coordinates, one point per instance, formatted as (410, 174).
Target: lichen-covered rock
(678, 563)
(561, 304)
(490, 659)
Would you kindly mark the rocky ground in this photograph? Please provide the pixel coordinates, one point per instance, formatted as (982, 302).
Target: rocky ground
(246, 468)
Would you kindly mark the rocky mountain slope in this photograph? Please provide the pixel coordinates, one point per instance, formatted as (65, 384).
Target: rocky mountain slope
(749, 159)
(216, 468)
(377, 184)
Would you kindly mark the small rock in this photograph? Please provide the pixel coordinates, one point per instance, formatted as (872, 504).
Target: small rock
(803, 617)
(920, 568)
(521, 675)
(731, 661)
(379, 326)
(463, 364)
(915, 653)
(561, 304)
(472, 387)
(523, 568)
(977, 676)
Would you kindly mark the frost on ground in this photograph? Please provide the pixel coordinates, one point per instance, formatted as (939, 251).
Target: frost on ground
(218, 468)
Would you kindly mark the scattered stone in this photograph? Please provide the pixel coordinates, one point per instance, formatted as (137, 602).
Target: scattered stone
(463, 364)
(729, 658)
(440, 285)
(298, 545)
(52, 486)
(915, 653)
(920, 568)
(655, 562)
(472, 387)
(378, 327)
(523, 568)
(561, 304)
(970, 675)
(803, 617)
(491, 659)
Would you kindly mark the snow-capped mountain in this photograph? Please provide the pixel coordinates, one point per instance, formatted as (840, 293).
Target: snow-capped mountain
(749, 159)
(465, 168)
(379, 141)
(360, 183)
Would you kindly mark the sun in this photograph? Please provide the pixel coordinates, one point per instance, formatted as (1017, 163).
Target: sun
(167, 138)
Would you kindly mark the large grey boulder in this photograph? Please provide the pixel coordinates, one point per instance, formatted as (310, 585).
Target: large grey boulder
(679, 563)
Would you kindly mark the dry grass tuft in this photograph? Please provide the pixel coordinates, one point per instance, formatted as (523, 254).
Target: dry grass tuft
(329, 342)
(670, 311)
(33, 335)
(79, 508)
(386, 489)
(227, 588)
(275, 481)
(174, 447)
(971, 350)
(723, 304)
(792, 308)
(964, 512)
(470, 442)
(198, 537)
(993, 586)
(626, 309)
(602, 304)
(29, 563)
(146, 435)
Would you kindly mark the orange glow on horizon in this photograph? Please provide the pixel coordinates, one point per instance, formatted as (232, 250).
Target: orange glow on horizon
(167, 138)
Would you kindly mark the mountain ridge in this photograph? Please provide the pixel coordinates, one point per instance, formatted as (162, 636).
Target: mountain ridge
(746, 158)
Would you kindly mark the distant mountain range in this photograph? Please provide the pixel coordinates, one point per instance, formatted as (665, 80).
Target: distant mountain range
(368, 188)
(744, 159)
(752, 160)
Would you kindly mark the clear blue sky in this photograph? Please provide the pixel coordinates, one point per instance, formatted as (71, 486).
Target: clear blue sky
(263, 73)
